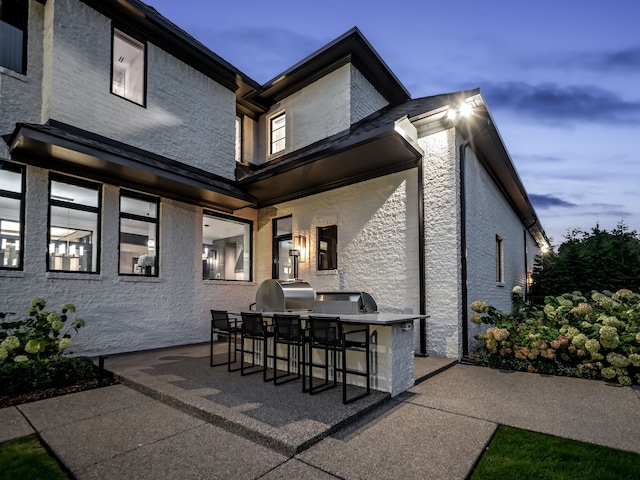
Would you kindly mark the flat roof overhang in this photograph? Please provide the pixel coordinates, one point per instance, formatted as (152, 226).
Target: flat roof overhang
(69, 152)
(333, 164)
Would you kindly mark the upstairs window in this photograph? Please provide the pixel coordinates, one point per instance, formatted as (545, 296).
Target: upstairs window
(11, 215)
(128, 68)
(74, 235)
(13, 35)
(138, 234)
(278, 133)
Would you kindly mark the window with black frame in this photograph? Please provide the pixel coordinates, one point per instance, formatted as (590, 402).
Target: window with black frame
(139, 232)
(11, 215)
(13, 34)
(74, 225)
(226, 247)
(327, 247)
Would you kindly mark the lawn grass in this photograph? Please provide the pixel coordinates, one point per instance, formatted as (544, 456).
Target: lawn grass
(26, 459)
(519, 454)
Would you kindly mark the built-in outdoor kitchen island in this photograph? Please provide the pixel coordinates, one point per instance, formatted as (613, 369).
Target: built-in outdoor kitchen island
(391, 335)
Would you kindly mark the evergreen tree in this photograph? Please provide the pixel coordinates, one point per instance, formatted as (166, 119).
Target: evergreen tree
(599, 260)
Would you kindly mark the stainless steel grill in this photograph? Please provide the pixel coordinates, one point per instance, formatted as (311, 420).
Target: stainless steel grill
(284, 295)
(347, 303)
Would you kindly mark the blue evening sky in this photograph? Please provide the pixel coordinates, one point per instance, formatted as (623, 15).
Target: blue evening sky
(561, 78)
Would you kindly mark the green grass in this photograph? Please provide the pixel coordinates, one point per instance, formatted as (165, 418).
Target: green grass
(27, 459)
(519, 454)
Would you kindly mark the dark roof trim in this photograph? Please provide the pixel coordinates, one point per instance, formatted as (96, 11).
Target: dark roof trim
(58, 146)
(146, 21)
(351, 47)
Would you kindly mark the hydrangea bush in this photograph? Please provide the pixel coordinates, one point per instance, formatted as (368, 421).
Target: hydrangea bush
(593, 336)
(43, 335)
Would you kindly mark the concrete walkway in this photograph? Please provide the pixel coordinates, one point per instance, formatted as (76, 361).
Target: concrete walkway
(179, 428)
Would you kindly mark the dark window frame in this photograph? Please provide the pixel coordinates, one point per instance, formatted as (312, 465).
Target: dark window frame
(21, 22)
(15, 168)
(140, 218)
(271, 131)
(145, 45)
(78, 182)
(248, 223)
(499, 260)
(332, 251)
(275, 244)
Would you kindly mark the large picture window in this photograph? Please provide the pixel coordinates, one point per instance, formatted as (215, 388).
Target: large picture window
(74, 235)
(128, 68)
(13, 35)
(138, 234)
(226, 248)
(11, 216)
(327, 247)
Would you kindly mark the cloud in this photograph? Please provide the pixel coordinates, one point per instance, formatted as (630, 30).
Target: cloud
(548, 201)
(562, 104)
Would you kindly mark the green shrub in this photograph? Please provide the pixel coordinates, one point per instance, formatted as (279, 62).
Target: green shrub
(32, 349)
(588, 337)
(23, 377)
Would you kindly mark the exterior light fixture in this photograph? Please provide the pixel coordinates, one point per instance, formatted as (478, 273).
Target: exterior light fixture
(300, 244)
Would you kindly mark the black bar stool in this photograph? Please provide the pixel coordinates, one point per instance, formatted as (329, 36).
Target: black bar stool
(254, 328)
(222, 324)
(288, 331)
(326, 333)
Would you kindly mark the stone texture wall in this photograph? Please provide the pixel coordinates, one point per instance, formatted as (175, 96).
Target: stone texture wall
(188, 117)
(125, 313)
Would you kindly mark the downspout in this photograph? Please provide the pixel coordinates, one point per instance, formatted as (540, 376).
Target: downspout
(463, 243)
(421, 260)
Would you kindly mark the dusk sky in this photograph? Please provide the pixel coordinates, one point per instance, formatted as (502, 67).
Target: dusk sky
(561, 79)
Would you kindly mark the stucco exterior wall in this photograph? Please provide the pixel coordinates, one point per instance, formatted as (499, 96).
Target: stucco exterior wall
(188, 117)
(125, 313)
(442, 243)
(377, 239)
(21, 95)
(490, 214)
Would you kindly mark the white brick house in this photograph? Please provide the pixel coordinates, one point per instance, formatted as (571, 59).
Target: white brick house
(125, 139)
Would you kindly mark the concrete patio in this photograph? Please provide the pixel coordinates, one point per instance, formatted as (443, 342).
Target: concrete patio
(171, 418)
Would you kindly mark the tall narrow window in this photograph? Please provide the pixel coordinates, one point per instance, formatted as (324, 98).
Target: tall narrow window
(226, 248)
(282, 244)
(327, 247)
(74, 235)
(138, 234)
(499, 260)
(128, 68)
(278, 133)
(238, 139)
(13, 34)
(11, 216)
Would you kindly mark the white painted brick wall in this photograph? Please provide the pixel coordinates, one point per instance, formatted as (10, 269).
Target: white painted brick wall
(188, 117)
(125, 313)
(377, 239)
(326, 107)
(365, 99)
(21, 95)
(489, 214)
(442, 243)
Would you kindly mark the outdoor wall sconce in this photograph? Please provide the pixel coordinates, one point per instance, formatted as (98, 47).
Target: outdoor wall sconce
(300, 244)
